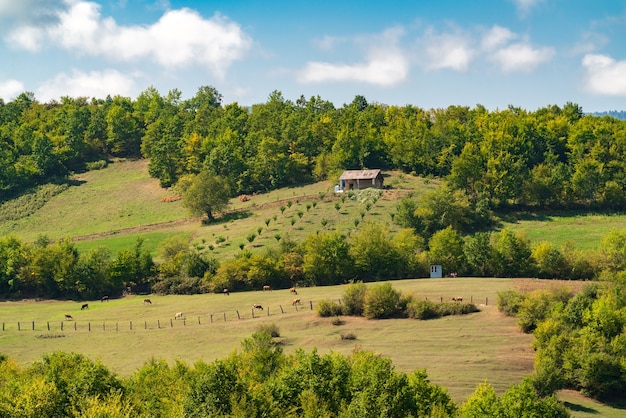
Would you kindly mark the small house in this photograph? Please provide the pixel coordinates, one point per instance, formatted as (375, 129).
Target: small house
(360, 179)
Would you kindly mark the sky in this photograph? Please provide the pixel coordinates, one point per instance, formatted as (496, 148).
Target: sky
(426, 53)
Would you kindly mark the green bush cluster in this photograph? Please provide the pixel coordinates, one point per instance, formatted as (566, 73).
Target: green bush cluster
(426, 309)
(579, 339)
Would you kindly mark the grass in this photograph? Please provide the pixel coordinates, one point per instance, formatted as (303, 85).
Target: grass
(458, 352)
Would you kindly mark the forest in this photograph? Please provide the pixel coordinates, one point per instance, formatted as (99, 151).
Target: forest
(553, 157)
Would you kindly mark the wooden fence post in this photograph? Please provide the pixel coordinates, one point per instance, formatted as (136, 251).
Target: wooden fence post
(198, 320)
(145, 324)
(18, 325)
(158, 323)
(48, 326)
(486, 300)
(238, 316)
(311, 303)
(211, 318)
(131, 325)
(171, 323)
(89, 326)
(281, 309)
(253, 312)
(74, 325)
(268, 311)
(61, 326)
(116, 327)
(224, 316)
(33, 325)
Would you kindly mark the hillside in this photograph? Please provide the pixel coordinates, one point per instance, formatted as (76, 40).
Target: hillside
(116, 205)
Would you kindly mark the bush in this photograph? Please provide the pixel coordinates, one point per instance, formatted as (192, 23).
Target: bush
(179, 286)
(509, 302)
(422, 309)
(327, 308)
(271, 329)
(96, 165)
(354, 299)
(381, 301)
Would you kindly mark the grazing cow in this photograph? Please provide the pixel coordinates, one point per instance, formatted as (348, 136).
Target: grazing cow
(85, 306)
(458, 299)
(257, 306)
(148, 301)
(179, 315)
(68, 317)
(104, 299)
(226, 292)
(296, 302)
(293, 290)
(267, 287)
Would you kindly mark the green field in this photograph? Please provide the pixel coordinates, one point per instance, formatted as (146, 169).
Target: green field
(458, 352)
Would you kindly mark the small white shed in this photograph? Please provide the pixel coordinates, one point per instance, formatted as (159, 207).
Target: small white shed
(436, 272)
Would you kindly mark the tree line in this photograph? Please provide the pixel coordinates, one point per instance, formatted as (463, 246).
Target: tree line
(371, 253)
(258, 381)
(554, 157)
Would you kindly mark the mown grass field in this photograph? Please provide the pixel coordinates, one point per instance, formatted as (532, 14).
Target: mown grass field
(458, 352)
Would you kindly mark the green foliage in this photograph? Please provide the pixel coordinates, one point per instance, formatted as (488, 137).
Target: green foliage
(271, 329)
(327, 259)
(207, 194)
(510, 302)
(426, 309)
(28, 203)
(381, 301)
(326, 308)
(354, 299)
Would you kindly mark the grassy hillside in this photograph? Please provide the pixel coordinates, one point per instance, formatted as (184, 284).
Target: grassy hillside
(114, 206)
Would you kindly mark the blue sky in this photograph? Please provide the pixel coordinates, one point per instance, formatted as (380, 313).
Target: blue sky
(431, 54)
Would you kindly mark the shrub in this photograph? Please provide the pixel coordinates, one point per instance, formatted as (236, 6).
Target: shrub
(348, 336)
(271, 329)
(327, 308)
(96, 165)
(354, 299)
(422, 309)
(337, 321)
(509, 302)
(381, 301)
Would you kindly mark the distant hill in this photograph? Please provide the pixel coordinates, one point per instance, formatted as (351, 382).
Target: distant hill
(619, 114)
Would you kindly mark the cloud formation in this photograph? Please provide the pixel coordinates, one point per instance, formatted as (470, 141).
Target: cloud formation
(10, 89)
(86, 84)
(180, 38)
(605, 75)
(385, 64)
(524, 6)
(447, 51)
(503, 48)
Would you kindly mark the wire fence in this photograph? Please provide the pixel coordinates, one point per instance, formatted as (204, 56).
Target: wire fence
(256, 311)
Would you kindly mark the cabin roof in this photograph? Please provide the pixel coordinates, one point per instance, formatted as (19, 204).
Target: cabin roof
(359, 174)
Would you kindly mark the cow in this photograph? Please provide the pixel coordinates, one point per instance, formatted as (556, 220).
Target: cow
(226, 292)
(296, 302)
(267, 287)
(179, 315)
(104, 298)
(68, 317)
(257, 306)
(457, 299)
(293, 290)
(85, 306)
(148, 301)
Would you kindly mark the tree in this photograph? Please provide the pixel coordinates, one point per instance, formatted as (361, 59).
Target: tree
(206, 195)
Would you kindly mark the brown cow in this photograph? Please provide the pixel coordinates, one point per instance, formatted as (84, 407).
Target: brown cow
(457, 299)
(257, 306)
(85, 306)
(226, 292)
(179, 315)
(296, 302)
(293, 290)
(148, 301)
(267, 287)
(68, 317)
(104, 299)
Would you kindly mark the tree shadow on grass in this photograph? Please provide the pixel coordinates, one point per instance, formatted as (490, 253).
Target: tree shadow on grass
(227, 217)
(580, 408)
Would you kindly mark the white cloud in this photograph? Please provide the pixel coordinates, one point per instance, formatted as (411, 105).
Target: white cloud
(605, 75)
(524, 6)
(521, 57)
(180, 38)
(511, 56)
(448, 51)
(497, 37)
(92, 84)
(10, 89)
(385, 65)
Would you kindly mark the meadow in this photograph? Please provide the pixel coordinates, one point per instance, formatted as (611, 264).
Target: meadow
(115, 206)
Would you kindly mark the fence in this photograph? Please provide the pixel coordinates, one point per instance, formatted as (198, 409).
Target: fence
(88, 326)
(70, 324)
